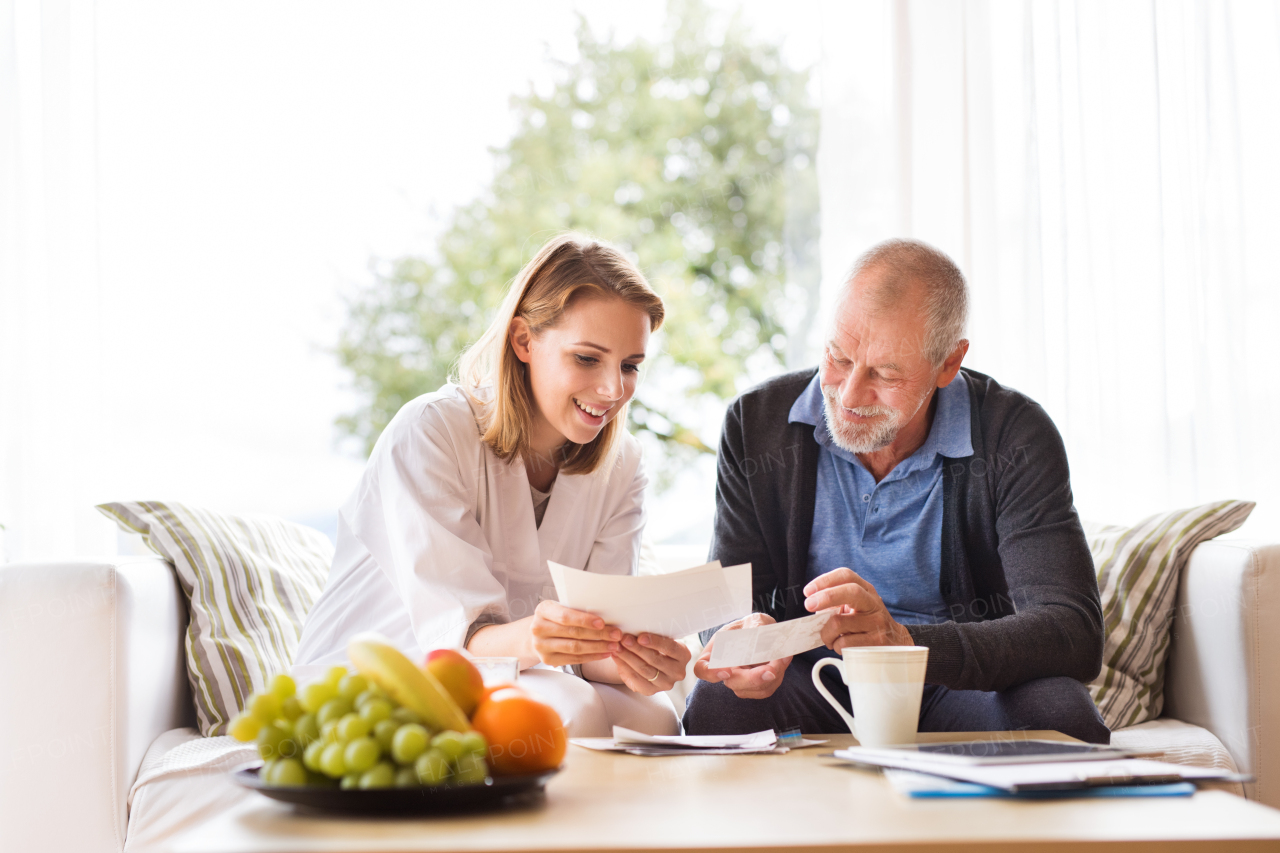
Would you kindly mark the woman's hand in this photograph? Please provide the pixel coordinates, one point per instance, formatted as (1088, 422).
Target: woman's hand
(651, 663)
(561, 635)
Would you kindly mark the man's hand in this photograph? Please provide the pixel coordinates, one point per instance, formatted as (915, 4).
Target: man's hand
(746, 682)
(862, 620)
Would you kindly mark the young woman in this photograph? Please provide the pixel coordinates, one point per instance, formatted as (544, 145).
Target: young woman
(472, 489)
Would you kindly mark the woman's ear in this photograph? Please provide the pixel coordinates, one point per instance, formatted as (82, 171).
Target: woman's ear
(521, 338)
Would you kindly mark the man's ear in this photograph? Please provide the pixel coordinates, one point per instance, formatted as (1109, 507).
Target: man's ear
(521, 338)
(951, 366)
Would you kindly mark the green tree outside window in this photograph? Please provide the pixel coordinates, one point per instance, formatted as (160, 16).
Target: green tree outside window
(696, 156)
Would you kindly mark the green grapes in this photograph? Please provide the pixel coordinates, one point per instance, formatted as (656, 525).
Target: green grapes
(474, 743)
(319, 780)
(361, 754)
(332, 761)
(385, 731)
(244, 727)
(334, 709)
(351, 686)
(352, 726)
(264, 706)
(291, 708)
(451, 745)
(471, 770)
(404, 715)
(274, 742)
(329, 732)
(381, 775)
(409, 742)
(283, 686)
(311, 756)
(340, 731)
(287, 771)
(306, 729)
(432, 767)
(315, 694)
(374, 710)
(371, 692)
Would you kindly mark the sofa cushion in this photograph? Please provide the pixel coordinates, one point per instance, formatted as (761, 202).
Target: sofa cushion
(1138, 570)
(185, 779)
(1178, 742)
(249, 583)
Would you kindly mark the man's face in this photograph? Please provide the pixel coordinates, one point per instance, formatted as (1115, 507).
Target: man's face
(875, 377)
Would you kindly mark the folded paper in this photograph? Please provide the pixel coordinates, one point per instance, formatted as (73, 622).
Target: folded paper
(744, 646)
(672, 605)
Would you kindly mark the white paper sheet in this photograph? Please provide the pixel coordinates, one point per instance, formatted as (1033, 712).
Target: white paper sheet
(672, 605)
(607, 744)
(754, 740)
(1012, 777)
(745, 646)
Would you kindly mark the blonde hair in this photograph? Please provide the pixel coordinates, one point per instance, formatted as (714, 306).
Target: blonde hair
(567, 266)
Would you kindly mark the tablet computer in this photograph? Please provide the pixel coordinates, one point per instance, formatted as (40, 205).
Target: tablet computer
(999, 751)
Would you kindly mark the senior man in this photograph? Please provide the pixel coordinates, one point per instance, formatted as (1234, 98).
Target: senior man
(929, 503)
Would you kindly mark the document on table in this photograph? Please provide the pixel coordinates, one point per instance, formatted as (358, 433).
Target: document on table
(673, 605)
(745, 646)
(1051, 775)
(766, 738)
(924, 786)
(638, 743)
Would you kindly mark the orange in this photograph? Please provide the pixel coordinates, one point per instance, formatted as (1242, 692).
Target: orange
(524, 735)
(489, 690)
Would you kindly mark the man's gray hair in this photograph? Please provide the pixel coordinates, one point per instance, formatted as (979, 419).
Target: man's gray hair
(906, 262)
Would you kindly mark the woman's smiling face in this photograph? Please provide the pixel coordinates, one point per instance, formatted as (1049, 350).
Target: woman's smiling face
(582, 370)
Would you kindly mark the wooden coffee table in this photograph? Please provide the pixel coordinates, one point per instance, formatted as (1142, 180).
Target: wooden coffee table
(796, 801)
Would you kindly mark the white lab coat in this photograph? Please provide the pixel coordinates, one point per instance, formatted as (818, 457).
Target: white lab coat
(440, 531)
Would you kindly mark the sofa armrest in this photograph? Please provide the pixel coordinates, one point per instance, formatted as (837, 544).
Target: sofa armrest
(91, 653)
(1221, 672)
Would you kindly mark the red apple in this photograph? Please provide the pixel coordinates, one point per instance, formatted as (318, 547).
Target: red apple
(458, 675)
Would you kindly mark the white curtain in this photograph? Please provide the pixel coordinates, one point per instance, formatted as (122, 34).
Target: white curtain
(51, 340)
(1107, 174)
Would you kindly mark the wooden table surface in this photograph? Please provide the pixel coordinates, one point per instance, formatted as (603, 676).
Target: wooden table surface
(800, 800)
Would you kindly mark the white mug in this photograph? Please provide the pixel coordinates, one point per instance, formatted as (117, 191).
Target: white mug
(885, 686)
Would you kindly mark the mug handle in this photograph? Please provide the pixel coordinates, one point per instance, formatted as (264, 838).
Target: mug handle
(826, 694)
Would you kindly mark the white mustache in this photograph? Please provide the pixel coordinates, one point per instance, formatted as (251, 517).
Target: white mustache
(861, 411)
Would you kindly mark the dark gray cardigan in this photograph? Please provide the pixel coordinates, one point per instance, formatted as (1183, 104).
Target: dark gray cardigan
(1016, 571)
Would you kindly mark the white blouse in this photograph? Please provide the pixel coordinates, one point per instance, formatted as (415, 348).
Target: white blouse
(440, 533)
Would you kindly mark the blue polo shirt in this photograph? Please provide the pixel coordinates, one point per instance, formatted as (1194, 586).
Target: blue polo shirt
(890, 532)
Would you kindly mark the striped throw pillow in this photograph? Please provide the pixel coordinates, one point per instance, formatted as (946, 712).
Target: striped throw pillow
(249, 583)
(1138, 570)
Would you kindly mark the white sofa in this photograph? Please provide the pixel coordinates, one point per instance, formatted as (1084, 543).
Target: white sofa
(92, 669)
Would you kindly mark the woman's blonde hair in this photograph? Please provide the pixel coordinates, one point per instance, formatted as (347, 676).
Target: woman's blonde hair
(565, 267)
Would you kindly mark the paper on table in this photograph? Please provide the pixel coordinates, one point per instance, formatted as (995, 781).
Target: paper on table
(744, 646)
(1014, 777)
(755, 740)
(607, 744)
(636, 743)
(924, 786)
(672, 605)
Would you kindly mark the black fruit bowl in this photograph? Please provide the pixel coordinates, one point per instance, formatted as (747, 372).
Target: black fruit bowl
(497, 792)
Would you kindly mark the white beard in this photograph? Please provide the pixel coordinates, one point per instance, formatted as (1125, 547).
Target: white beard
(868, 437)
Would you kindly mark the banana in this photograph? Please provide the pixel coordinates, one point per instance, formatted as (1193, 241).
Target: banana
(406, 683)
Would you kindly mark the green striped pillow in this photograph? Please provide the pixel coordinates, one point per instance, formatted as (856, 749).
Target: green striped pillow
(1138, 570)
(249, 583)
